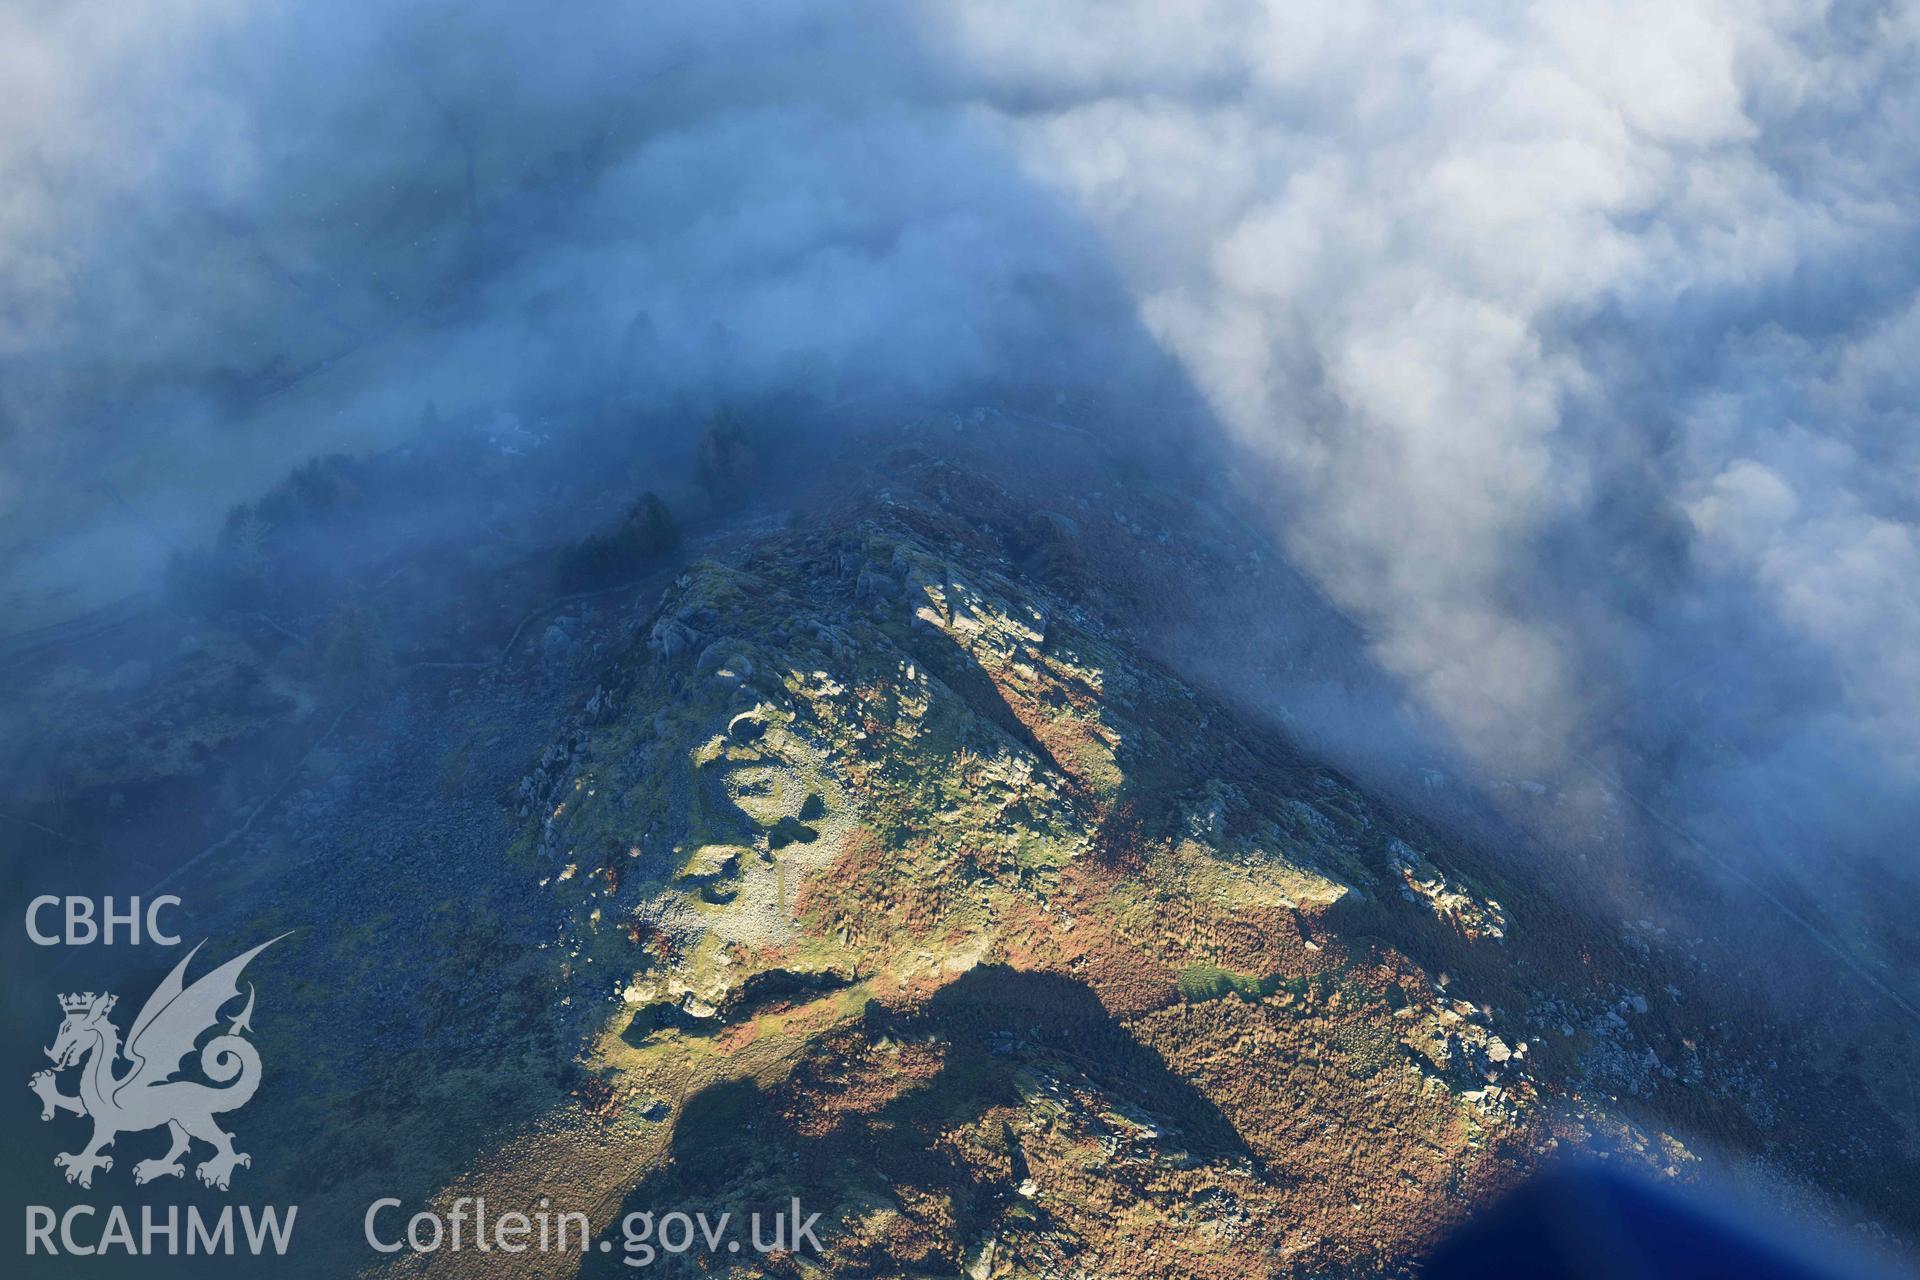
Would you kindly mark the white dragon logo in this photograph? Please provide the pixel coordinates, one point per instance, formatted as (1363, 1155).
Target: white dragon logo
(146, 1096)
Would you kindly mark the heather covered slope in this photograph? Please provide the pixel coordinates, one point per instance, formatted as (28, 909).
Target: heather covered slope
(910, 886)
(918, 852)
(902, 849)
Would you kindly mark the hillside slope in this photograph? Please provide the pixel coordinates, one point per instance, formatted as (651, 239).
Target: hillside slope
(912, 887)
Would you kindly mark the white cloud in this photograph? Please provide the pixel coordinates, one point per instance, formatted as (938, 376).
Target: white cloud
(1455, 277)
(1375, 246)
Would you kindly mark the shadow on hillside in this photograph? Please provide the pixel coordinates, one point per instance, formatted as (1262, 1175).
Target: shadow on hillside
(739, 1147)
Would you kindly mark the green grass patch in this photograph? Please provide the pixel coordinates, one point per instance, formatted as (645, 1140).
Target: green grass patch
(1202, 982)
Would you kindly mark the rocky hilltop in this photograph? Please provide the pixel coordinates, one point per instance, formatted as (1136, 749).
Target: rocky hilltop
(1056, 966)
(910, 884)
(883, 852)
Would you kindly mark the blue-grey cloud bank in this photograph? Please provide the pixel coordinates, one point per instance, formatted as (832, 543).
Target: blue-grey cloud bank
(1573, 342)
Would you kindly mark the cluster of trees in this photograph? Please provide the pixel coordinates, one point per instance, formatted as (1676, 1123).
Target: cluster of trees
(607, 559)
(725, 466)
(301, 535)
(273, 540)
(724, 461)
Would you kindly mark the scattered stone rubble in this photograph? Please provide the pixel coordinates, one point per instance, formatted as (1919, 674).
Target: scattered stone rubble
(1422, 881)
